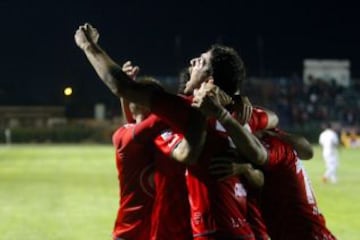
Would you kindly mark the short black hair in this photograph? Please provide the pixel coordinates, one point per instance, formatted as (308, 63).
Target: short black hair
(227, 68)
(150, 81)
(184, 77)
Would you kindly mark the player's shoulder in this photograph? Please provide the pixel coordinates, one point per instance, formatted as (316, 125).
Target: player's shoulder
(121, 130)
(127, 125)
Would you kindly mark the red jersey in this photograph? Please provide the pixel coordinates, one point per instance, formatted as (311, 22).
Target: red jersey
(254, 213)
(289, 205)
(209, 212)
(217, 208)
(246, 205)
(258, 121)
(171, 211)
(134, 162)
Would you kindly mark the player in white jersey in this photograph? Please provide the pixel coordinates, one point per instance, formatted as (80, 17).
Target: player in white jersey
(329, 142)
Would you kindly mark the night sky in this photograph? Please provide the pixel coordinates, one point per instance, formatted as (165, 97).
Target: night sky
(39, 56)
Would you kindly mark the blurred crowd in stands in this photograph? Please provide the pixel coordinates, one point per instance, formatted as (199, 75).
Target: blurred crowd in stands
(298, 104)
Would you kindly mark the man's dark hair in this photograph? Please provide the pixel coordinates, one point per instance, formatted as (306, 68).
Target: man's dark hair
(150, 81)
(184, 77)
(227, 68)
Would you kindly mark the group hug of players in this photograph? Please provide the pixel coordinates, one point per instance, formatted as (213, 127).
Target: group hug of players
(204, 164)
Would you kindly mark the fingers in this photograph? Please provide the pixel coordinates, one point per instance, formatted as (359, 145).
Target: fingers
(247, 109)
(197, 63)
(81, 38)
(206, 88)
(126, 64)
(130, 70)
(85, 28)
(249, 113)
(224, 99)
(196, 102)
(87, 32)
(245, 112)
(89, 27)
(136, 70)
(221, 170)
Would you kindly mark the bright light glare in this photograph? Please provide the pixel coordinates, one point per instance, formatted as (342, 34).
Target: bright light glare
(68, 91)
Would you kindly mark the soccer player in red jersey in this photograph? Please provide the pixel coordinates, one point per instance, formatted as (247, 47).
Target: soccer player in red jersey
(170, 197)
(296, 215)
(212, 213)
(259, 120)
(169, 179)
(134, 162)
(287, 185)
(198, 192)
(171, 211)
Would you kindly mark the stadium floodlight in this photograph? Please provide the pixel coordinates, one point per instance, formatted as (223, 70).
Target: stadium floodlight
(68, 91)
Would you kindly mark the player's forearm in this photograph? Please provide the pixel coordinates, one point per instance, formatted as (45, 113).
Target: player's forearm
(196, 135)
(253, 176)
(188, 152)
(103, 65)
(300, 144)
(189, 149)
(114, 78)
(246, 143)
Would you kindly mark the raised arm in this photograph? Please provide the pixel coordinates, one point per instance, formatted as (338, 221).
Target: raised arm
(132, 72)
(109, 71)
(190, 148)
(170, 108)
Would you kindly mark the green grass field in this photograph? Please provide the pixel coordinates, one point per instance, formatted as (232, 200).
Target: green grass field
(69, 192)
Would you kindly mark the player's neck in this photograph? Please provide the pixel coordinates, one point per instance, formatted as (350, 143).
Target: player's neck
(140, 117)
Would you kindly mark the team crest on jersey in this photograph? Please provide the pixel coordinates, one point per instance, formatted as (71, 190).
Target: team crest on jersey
(147, 180)
(166, 134)
(239, 190)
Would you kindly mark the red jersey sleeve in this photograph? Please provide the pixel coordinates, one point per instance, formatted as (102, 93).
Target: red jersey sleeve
(149, 128)
(174, 110)
(167, 141)
(278, 152)
(117, 136)
(258, 120)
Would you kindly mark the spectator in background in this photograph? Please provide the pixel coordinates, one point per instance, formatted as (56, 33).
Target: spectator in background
(329, 142)
(7, 133)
